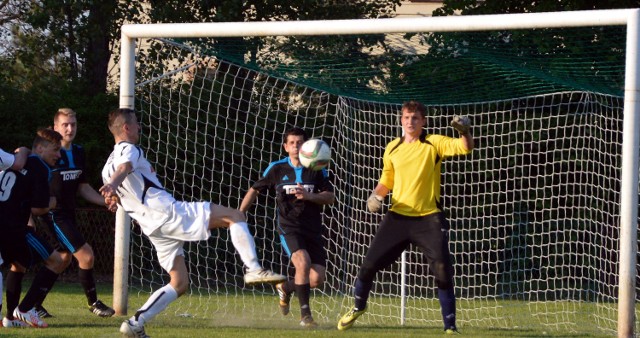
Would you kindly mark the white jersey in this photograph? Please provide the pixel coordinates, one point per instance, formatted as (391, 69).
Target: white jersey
(141, 194)
(6, 160)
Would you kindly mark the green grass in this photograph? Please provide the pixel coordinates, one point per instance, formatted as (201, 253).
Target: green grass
(72, 319)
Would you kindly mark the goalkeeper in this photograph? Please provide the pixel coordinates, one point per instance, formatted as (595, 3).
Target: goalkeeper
(411, 168)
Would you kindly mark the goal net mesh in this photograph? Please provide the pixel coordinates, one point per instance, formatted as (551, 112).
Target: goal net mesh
(534, 210)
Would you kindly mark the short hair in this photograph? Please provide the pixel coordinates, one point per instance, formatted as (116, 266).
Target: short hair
(120, 117)
(296, 132)
(46, 136)
(415, 107)
(63, 111)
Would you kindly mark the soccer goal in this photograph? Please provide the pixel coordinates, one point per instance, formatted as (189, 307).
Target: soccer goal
(543, 214)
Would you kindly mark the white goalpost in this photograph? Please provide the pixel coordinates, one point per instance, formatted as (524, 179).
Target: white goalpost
(246, 167)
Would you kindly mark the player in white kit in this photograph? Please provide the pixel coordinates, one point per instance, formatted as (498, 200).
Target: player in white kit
(130, 182)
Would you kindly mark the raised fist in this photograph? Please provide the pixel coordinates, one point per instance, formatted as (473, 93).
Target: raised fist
(462, 124)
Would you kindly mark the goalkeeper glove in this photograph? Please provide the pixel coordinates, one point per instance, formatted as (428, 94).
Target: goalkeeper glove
(462, 124)
(374, 202)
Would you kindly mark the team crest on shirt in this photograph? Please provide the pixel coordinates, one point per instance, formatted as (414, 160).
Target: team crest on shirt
(285, 178)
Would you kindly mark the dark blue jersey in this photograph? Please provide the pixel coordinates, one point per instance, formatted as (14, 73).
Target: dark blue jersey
(22, 190)
(282, 178)
(67, 177)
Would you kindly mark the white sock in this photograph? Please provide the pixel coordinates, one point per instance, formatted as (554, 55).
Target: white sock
(245, 245)
(158, 301)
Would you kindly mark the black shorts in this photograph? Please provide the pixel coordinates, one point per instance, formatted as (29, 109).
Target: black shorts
(24, 247)
(64, 228)
(429, 233)
(296, 239)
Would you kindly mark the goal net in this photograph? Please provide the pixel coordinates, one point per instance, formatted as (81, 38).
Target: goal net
(534, 210)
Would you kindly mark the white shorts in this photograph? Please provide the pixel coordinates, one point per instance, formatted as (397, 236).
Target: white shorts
(189, 223)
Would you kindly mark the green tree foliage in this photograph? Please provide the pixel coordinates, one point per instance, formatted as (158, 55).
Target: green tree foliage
(479, 7)
(59, 51)
(78, 36)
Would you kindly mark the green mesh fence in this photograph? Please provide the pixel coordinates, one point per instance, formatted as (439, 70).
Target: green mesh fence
(439, 68)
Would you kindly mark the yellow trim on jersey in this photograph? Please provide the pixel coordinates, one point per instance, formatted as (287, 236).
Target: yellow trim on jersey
(412, 172)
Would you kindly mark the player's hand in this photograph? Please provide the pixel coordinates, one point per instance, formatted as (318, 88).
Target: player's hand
(462, 124)
(301, 192)
(111, 203)
(107, 191)
(374, 202)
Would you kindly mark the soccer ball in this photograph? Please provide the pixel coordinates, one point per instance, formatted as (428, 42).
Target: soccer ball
(315, 154)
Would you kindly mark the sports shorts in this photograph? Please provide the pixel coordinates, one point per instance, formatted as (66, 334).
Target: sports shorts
(24, 247)
(299, 239)
(63, 226)
(189, 223)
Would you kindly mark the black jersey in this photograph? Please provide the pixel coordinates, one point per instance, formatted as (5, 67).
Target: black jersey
(22, 190)
(282, 178)
(67, 177)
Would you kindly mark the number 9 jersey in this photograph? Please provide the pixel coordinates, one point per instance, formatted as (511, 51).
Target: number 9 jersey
(22, 190)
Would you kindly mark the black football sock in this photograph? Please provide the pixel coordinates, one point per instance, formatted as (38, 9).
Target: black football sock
(89, 284)
(304, 292)
(361, 293)
(42, 283)
(14, 288)
(289, 286)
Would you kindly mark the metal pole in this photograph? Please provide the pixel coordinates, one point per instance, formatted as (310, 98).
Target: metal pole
(629, 189)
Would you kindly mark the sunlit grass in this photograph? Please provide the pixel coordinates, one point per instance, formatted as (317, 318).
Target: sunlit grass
(73, 319)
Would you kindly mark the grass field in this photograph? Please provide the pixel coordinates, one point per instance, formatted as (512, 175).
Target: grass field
(72, 319)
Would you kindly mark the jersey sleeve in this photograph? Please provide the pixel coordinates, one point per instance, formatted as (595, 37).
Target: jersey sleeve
(55, 185)
(448, 146)
(324, 183)
(40, 192)
(81, 158)
(386, 178)
(127, 152)
(264, 183)
(6, 160)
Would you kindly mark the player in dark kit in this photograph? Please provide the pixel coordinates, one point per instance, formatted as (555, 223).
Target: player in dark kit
(68, 181)
(301, 194)
(25, 192)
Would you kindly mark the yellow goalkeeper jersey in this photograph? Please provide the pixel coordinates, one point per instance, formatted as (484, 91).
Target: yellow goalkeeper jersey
(412, 172)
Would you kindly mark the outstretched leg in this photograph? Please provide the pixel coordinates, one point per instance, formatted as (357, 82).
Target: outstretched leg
(234, 220)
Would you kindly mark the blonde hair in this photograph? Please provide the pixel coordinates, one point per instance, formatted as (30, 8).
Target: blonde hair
(63, 111)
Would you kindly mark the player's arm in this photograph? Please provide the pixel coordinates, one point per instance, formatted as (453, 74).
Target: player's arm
(88, 193)
(20, 160)
(109, 188)
(322, 198)
(39, 211)
(467, 140)
(248, 199)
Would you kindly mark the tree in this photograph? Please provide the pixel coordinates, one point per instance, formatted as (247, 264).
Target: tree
(479, 7)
